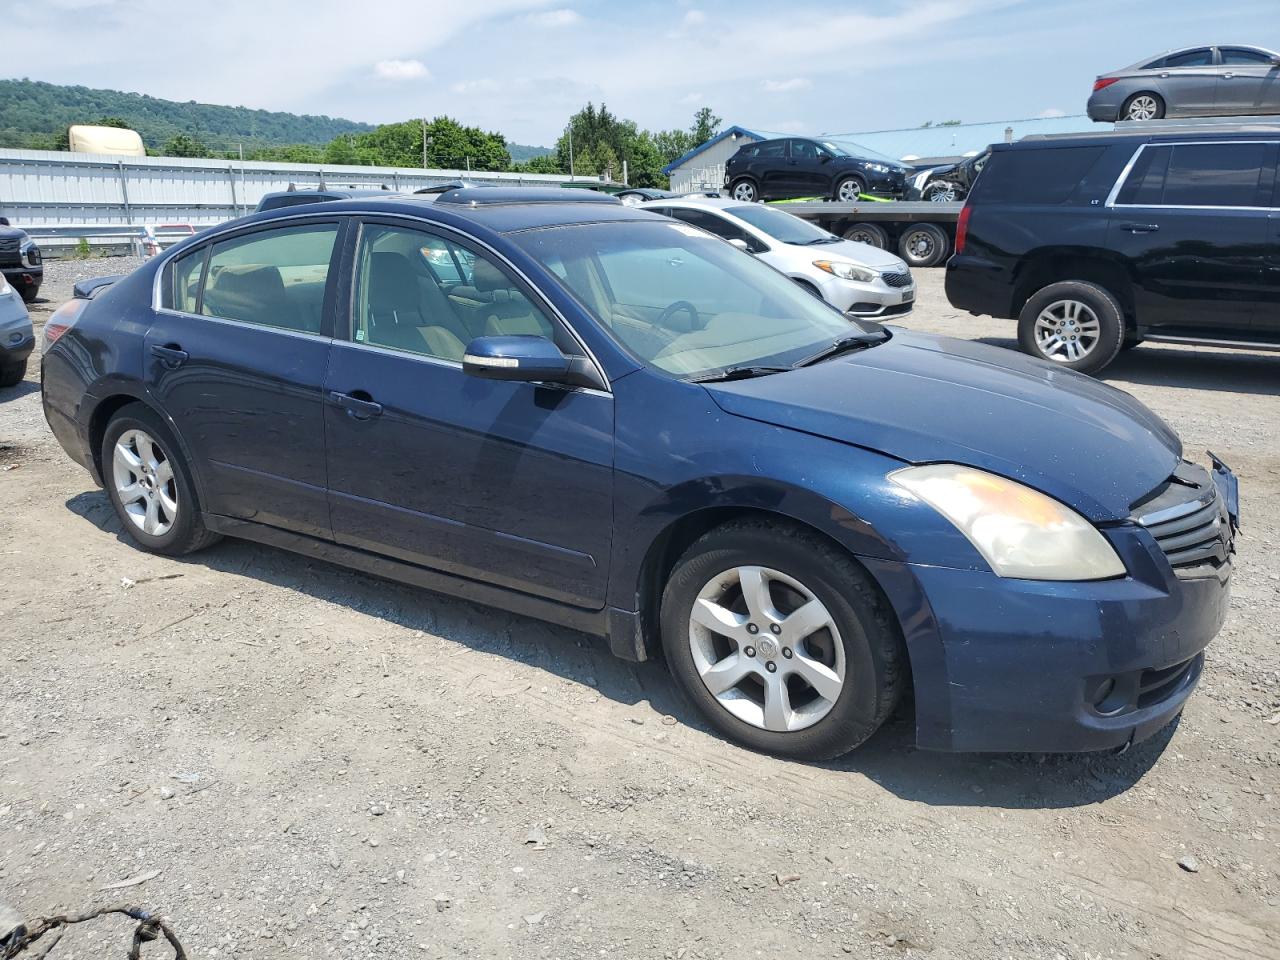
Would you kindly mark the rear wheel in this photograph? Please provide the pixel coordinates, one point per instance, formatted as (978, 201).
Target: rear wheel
(781, 640)
(29, 294)
(848, 189)
(744, 190)
(1143, 106)
(923, 245)
(1076, 324)
(869, 233)
(13, 374)
(149, 484)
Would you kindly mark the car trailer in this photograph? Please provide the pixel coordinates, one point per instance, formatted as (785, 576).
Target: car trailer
(923, 233)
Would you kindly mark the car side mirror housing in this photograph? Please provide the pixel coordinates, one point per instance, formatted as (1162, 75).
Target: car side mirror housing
(527, 359)
(741, 245)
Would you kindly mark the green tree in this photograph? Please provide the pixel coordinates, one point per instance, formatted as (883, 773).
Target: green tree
(673, 144)
(547, 163)
(705, 126)
(112, 122)
(184, 145)
(341, 151)
(602, 141)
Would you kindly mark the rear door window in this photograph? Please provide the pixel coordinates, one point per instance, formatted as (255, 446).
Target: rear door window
(1196, 175)
(1035, 176)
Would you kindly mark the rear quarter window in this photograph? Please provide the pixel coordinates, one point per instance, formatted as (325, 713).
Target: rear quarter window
(1035, 176)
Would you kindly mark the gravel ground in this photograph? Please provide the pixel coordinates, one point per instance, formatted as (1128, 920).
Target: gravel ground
(310, 762)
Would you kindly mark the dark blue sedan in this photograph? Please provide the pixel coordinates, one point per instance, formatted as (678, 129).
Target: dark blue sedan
(594, 415)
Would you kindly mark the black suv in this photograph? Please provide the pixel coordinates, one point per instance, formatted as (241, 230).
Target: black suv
(20, 261)
(1099, 241)
(798, 167)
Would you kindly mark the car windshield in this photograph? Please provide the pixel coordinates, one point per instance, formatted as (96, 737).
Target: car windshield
(851, 149)
(783, 227)
(684, 301)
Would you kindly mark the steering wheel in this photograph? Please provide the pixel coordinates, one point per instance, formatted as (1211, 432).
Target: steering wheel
(695, 320)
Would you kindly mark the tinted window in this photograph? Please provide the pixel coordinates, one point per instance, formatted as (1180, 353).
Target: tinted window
(1035, 176)
(1192, 58)
(401, 301)
(712, 223)
(1196, 175)
(186, 280)
(781, 226)
(1240, 56)
(275, 278)
(803, 150)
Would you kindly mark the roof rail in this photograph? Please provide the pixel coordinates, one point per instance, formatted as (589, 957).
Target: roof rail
(486, 196)
(1208, 125)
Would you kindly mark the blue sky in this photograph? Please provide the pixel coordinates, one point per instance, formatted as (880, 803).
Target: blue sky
(522, 66)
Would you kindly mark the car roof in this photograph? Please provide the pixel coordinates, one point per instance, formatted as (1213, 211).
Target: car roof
(501, 210)
(717, 203)
(1154, 133)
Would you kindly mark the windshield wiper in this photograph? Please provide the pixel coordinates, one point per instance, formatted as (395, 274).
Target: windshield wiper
(817, 240)
(843, 345)
(737, 373)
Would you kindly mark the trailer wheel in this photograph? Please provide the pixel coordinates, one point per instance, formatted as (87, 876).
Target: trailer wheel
(869, 233)
(923, 245)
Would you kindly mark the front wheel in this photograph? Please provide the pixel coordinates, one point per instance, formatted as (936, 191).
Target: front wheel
(781, 640)
(744, 190)
(942, 191)
(149, 484)
(849, 189)
(13, 375)
(1076, 324)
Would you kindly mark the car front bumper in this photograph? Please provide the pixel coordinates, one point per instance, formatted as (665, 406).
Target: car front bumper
(874, 300)
(16, 337)
(1020, 665)
(26, 280)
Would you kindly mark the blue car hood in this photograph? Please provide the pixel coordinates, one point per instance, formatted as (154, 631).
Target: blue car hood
(925, 399)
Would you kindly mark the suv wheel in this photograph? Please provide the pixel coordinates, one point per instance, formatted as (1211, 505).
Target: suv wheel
(744, 190)
(1143, 106)
(848, 189)
(150, 486)
(1076, 324)
(12, 375)
(781, 640)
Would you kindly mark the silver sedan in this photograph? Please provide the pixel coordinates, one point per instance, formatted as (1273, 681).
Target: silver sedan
(1195, 82)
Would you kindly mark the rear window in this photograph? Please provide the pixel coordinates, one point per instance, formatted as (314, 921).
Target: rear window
(1195, 175)
(1188, 58)
(1034, 176)
(775, 148)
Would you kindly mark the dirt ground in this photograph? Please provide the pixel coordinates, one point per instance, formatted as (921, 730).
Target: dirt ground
(322, 764)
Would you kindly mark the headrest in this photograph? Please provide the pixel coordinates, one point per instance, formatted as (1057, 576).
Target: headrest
(487, 278)
(255, 280)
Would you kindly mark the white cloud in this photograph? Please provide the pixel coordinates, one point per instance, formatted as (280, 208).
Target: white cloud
(401, 70)
(786, 86)
(698, 97)
(1051, 113)
(694, 18)
(563, 17)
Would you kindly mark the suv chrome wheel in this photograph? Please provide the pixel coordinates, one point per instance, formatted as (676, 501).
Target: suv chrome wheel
(1067, 330)
(745, 191)
(1143, 107)
(766, 648)
(849, 191)
(942, 192)
(145, 483)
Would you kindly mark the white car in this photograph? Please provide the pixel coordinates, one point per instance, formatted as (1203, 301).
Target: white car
(856, 278)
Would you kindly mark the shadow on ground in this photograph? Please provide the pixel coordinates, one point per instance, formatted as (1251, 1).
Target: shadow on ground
(20, 389)
(890, 759)
(1162, 365)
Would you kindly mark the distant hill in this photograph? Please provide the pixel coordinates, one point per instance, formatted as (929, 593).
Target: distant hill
(520, 153)
(34, 114)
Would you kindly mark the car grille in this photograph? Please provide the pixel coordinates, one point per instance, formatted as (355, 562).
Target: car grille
(896, 279)
(10, 254)
(1188, 518)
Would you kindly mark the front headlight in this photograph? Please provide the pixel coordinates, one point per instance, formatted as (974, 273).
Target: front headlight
(846, 271)
(877, 168)
(1019, 531)
(5, 289)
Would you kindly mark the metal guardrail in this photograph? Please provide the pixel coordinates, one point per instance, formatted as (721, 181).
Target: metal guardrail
(55, 240)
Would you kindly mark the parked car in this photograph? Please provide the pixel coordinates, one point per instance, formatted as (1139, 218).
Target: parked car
(799, 167)
(855, 278)
(634, 196)
(618, 423)
(948, 183)
(296, 196)
(1193, 82)
(1096, 242)
(16, 337)
(21, 261)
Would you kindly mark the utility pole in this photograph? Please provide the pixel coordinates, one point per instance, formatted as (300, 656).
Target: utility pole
(571, 151)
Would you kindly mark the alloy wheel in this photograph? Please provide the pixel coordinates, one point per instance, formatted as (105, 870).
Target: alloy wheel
(145, 483)
(943, 193)
(1143, 107)
(744, 192)
(767, 648)
(1067, 330)
(849, 191)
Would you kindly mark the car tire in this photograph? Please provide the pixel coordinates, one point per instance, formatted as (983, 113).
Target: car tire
(1131, 342)
(923, 245)
(154, 497)
(869, 233)
(942, 191)
(848, 189)
(1086, 313)
(13, 374)
(1147, 106)
(744, 190)
(29, 294)
(864, 649)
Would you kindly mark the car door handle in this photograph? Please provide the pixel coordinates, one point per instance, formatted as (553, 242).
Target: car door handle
(1227, 76)
(358, 408)
(171, 355)
(1140, 227)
